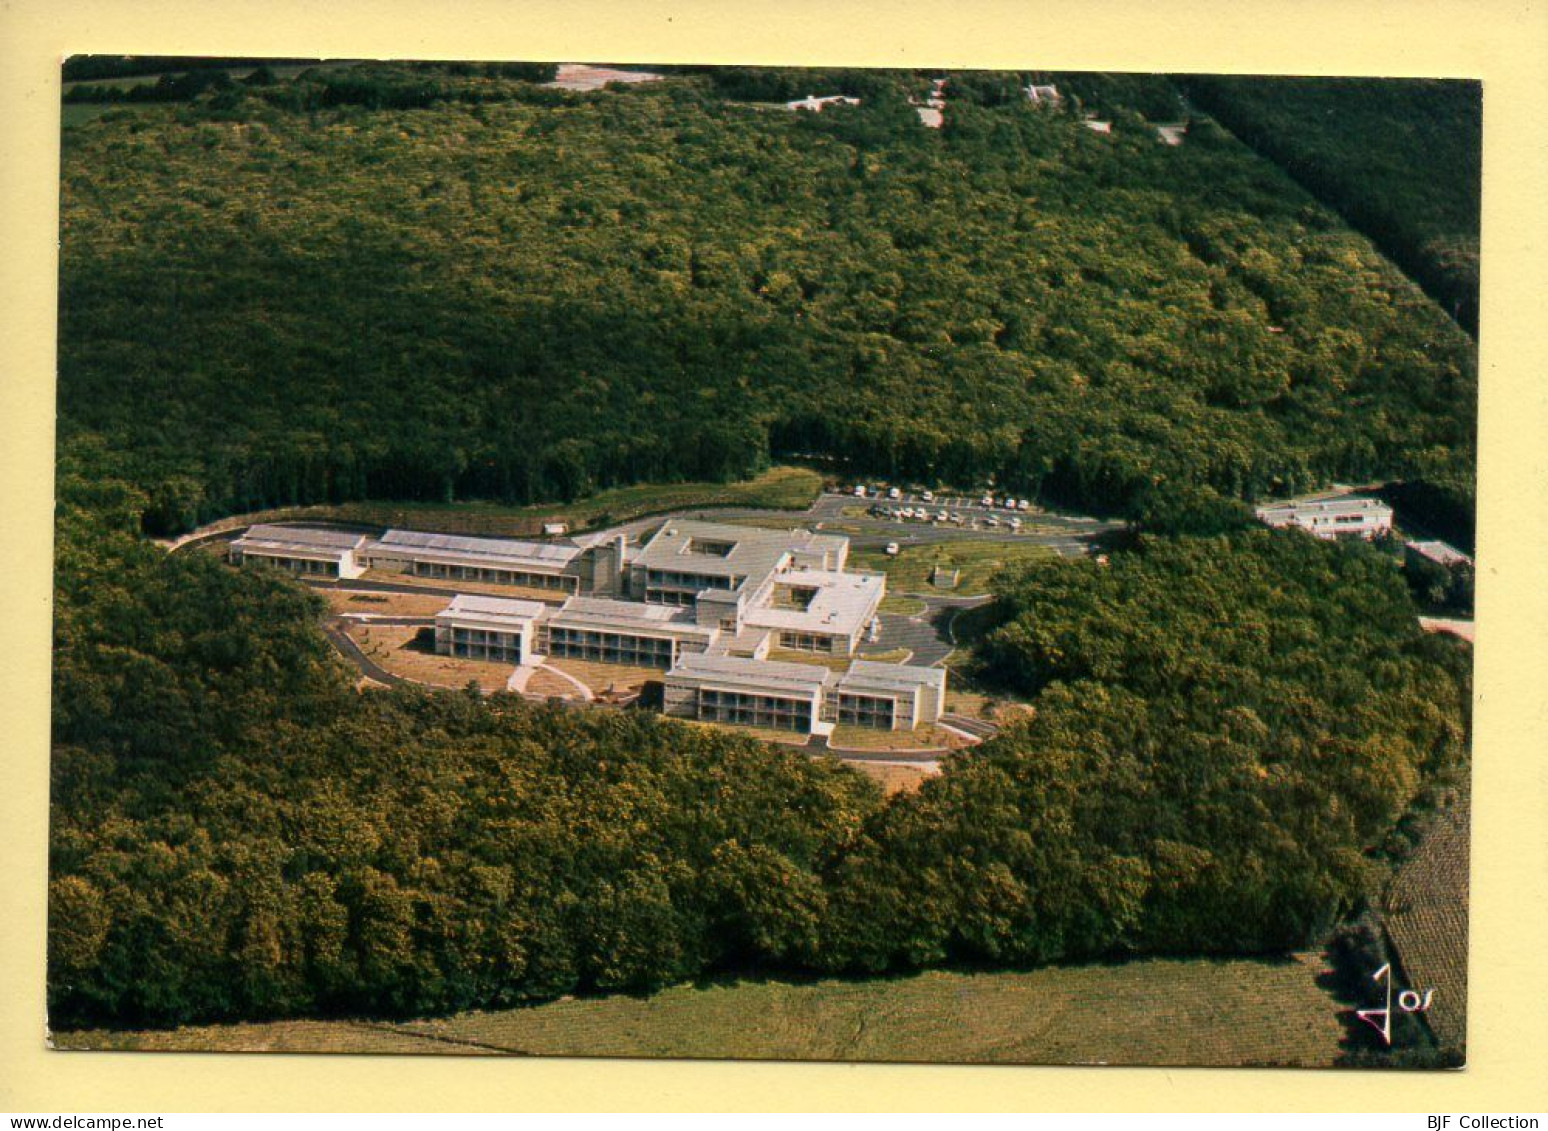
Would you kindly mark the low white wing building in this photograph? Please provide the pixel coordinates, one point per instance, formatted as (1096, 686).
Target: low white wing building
(1351, 516)
(312, 551)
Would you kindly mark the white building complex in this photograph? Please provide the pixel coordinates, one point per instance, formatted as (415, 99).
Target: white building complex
(703, 602)
(1352, 515)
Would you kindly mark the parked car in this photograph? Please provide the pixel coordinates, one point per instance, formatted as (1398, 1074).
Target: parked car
(927, 496)
(894, 493)
(1023, 504)
(986, 501)
(860, 491)
(892, 549)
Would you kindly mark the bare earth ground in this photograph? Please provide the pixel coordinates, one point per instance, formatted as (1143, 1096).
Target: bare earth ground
(397, 649)
(1162, 1012)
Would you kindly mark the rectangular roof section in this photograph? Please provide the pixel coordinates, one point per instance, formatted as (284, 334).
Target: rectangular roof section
(472, 606)
(426, 546)
(769, 676)
(722, 550)
(865, 675)
(314, 538)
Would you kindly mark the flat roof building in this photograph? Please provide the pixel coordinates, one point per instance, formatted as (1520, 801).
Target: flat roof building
(623, 632)
(488, 628)
(804, 698)
(1351, 515)
(500, 561)
(1441, 553)
(312, 551)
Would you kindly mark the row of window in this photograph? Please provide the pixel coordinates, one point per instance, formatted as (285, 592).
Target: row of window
(609, 647)
(806, 642)
(486, 644)
(679, 597)
(306, 566)
(694, 581)
(496, 576)
(767, 711)
(864, 711)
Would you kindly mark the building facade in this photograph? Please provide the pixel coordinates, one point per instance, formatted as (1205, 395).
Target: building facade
(311, 551)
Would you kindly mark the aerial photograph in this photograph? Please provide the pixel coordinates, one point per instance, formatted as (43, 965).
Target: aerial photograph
(604, 559)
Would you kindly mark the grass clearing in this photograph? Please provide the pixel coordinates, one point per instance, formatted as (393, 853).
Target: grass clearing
(384, 604)
(894, 777)
(927, 737)
(835, 663)
(909, 571)
(1158, 1012)
(405, 651)
(1425, 912)
(903, 605)
(599, 677)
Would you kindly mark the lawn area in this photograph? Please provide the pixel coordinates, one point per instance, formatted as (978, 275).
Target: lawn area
(1161, 1012)
(1425, 912)
(903, 605)
(835, 663)
(402, 651)
(909, 571)
(872, 739)
(599, 677)
(384, 604)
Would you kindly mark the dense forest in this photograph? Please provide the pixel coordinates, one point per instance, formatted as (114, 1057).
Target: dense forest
(1402, 161)
(287, 292)
(411, 282)
(1226, 732)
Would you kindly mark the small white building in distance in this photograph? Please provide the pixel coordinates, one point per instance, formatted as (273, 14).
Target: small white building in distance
(312, 551)
(1350, 516)
(1044, 95)
(815, 104)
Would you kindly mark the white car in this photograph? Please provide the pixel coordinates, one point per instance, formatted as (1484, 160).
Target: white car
(927, 496)
(860, 492)
(991, 521)
(894, 493)
(1023, 505)
(892, 549)
(986, 501)
(942, 516)
(1015, 523)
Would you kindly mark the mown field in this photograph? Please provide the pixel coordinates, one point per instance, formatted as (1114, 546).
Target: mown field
(1164, 1012)
(1425, 912)
(911, 569)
